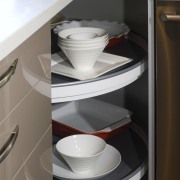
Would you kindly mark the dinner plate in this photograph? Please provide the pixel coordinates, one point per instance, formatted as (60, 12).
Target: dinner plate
(108, 162)
(105, 63)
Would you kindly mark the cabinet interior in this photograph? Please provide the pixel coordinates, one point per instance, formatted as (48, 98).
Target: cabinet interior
(134, 96)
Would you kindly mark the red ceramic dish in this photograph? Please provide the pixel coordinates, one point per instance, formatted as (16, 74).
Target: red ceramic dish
(114, 41)
(89, 116)
(63, 130)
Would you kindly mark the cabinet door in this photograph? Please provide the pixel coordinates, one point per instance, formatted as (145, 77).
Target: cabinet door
(33, 117)
(38, 166)
(22, 69)
(167, 107)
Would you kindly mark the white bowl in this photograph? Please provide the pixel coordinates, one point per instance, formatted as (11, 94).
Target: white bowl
(84, 42)
(83, 46)
(65, 33)
(81, 152)
(88, 41)
(84, 59)
(117, 31)
(83, 36)
(94, 40)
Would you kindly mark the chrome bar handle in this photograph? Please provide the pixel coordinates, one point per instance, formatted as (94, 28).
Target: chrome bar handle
(4, 78)
(170, 17)
(5, 150)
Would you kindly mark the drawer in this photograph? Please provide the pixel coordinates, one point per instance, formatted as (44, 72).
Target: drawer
(33, 117)
(33, 63)
(34, 167)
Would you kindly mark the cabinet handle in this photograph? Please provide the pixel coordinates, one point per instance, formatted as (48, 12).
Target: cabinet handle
(5, 150)
(4, 78)
(170, 17)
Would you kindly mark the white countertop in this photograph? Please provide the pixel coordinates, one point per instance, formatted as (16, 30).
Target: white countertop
(21, 18)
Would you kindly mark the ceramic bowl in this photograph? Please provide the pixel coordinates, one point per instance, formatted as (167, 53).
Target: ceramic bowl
(83, 59)
(83, 53)
(64, 34)
(117, 31)
(79, 46)
(84, 43)
(83, 36)
(81, 152)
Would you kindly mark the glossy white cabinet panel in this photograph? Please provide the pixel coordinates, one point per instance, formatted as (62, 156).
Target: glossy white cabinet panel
(33, 169)
(33, 116)
(32, 65)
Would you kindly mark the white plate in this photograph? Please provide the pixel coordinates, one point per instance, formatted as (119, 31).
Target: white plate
(109, 160)
(106, 62)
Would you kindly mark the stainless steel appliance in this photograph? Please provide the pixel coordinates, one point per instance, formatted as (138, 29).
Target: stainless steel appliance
(167, 90)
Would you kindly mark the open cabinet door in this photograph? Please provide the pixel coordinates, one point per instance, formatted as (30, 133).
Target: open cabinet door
(167, 90)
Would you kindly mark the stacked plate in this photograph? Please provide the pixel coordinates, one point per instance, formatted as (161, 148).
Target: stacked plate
(83, 45)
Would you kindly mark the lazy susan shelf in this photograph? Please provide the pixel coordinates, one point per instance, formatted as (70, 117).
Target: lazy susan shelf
(68, 89)
(132, 145)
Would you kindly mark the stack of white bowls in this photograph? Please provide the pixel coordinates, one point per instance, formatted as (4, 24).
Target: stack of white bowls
(83, 45)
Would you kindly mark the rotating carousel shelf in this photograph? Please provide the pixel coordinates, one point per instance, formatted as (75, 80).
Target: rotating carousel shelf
(132, 145)
(65, 89)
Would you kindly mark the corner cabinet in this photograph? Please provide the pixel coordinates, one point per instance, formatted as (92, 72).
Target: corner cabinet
(25, 88)
(25, 117)
(132, 142)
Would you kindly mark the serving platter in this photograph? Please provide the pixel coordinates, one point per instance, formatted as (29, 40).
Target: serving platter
(89, 116)
(106, 62)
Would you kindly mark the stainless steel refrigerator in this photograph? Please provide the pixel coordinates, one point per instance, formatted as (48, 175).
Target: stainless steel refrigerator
(167, 89)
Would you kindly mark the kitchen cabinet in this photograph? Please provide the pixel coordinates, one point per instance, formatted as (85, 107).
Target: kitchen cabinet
(18, 65)
(26, 38)
(22, 110)
(34, 167)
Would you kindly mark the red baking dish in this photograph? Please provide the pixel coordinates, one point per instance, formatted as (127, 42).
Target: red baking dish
(89, 116)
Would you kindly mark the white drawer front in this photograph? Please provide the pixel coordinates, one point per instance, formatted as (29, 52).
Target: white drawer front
(33, 116)
(33, 63)
(34, 168)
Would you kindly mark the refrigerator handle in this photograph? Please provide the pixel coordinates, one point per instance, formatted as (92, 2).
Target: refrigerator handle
(170, 17)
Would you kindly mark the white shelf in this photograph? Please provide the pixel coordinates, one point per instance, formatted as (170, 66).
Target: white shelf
(86, 90)
(65, 89)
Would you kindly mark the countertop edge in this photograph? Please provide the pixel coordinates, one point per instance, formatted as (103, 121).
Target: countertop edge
(11, 42)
